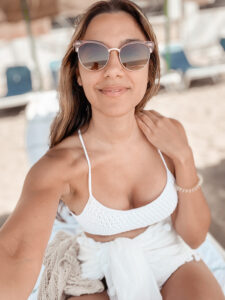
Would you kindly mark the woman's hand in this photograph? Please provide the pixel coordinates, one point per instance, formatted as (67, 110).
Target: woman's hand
(164, 133)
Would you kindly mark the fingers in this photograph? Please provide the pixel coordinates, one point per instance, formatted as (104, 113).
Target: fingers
(154, 115)
(145, 128)
(154, 112)
(150, 117)
(146, 120)
(151, 113)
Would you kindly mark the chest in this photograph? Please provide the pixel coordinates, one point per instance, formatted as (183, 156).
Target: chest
(123, 181)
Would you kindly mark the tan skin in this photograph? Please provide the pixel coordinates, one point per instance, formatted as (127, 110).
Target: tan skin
(133, 193)
(63, 173)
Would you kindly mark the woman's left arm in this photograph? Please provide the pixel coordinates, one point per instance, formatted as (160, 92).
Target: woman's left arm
(192, 216)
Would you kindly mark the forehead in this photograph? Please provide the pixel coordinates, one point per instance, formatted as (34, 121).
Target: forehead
(111, 28)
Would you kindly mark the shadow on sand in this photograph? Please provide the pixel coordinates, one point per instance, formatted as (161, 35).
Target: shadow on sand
(214, 190)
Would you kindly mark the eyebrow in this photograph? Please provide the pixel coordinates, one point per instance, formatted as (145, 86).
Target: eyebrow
(129, 40)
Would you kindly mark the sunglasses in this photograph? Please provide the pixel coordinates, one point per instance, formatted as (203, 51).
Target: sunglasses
(94, 56)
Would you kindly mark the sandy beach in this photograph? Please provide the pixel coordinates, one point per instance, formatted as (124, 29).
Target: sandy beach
(201, 109)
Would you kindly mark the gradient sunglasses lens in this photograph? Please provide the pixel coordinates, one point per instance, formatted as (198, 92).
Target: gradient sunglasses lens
(93, 56)
(134, 56)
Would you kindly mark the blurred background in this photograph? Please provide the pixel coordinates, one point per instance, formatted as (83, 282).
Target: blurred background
(33, 38)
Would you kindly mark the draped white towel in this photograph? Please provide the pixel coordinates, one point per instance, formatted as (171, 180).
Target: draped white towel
(135, 268)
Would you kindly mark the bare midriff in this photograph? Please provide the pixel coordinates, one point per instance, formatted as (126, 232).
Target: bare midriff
(128, 234)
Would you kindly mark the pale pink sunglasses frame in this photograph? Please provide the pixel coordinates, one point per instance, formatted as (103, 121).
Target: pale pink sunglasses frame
(79, 43)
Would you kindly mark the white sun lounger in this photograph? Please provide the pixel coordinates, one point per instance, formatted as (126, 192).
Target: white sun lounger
(179, 61)
(15, 101)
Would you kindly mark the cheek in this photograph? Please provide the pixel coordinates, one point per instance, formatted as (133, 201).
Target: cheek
(88, 83)
(140, 83)
(89, 91)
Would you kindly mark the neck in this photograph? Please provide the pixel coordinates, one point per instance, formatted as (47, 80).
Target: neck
(114, 131)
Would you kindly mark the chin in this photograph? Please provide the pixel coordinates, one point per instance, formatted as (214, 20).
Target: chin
(118, 112)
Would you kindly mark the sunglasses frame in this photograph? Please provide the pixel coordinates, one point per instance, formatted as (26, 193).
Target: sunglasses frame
(79, 43)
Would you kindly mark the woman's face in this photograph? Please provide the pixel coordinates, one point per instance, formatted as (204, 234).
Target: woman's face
(101, 87)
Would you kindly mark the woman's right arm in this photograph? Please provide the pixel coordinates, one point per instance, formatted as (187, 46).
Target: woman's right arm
(24, 236)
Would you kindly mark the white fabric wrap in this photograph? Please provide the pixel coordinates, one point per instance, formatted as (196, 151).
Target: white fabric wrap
(134, 268)
(124, 266)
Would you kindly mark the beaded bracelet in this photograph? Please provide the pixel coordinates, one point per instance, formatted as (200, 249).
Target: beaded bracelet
(180, 189)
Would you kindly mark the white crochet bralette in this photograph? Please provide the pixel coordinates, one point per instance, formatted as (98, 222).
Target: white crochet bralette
(101, 220)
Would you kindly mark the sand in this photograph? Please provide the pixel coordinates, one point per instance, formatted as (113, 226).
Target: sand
(201, 109)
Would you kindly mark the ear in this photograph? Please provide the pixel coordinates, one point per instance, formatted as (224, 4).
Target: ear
(79, 81)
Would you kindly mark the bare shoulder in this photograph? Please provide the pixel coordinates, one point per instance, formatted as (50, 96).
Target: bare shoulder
(56, 163)
(49, 169)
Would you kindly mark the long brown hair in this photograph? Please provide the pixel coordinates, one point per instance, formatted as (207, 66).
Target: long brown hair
(74, 107)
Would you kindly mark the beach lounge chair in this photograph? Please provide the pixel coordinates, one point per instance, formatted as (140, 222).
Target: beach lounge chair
(39, 115)
(222, 43)
(19, 85)
(170, 80)
(18, 80)
(179, 61)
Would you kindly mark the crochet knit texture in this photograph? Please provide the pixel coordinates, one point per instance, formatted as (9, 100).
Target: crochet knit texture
(62, 274)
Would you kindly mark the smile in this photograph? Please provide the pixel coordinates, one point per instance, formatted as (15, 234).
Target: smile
(113, 92)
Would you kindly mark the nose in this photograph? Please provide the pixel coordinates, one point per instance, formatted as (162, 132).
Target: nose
(114, 67)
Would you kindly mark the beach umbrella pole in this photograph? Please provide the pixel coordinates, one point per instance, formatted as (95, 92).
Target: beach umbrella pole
(26, 15)
(167, 33)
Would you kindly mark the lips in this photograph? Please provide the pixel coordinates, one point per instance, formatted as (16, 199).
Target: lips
(113, 90)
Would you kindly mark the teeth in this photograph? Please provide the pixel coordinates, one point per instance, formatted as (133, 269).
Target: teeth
(112, 91)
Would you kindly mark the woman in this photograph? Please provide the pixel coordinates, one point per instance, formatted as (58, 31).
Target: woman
(151, 202)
